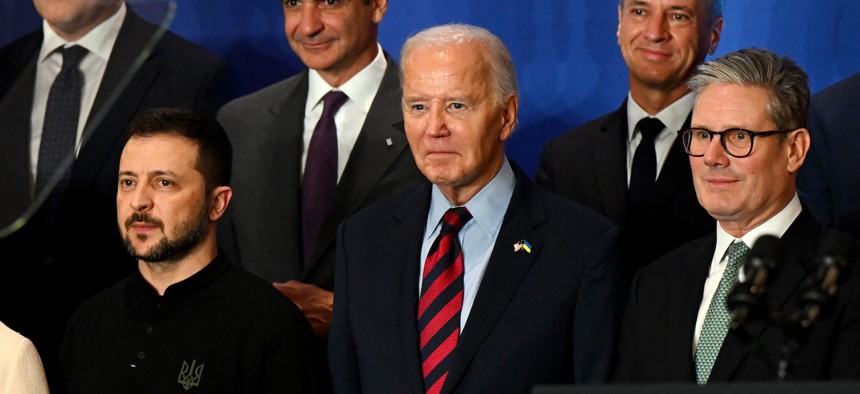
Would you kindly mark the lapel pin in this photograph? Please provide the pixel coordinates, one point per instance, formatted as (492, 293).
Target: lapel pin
(389, 142)
(523, 245)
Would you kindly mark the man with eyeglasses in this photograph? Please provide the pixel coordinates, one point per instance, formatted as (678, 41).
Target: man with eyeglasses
(747, 141)
(629, 164)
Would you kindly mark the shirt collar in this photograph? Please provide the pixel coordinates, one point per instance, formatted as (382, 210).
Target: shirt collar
(361, 88)
(189, 285)
(776, 226)
(488, 207)
(672, 116)
(98, 41)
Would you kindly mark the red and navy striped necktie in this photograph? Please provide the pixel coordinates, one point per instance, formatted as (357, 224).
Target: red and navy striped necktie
(441, 301)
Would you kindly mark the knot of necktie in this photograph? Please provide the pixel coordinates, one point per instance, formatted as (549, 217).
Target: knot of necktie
(332, 101)
(455, 218)
(650, 127)
(72, 56)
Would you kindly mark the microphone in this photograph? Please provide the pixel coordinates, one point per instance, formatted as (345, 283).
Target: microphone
(837, 251)
(762, 262)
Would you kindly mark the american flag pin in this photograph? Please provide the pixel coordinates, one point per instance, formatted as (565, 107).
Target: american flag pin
(523, 245)
(389, 142)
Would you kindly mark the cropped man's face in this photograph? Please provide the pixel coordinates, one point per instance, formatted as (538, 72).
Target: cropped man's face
(336, 38)
(71, 19)
(663, 41)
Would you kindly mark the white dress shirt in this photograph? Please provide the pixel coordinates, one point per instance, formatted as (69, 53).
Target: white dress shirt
(361, 90)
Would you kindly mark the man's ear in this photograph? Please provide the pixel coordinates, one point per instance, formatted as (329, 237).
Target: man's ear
(220, 200)
(798, 146)
(379, 9)
(509, 117)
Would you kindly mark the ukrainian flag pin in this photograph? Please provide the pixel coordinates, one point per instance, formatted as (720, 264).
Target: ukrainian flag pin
(523, 245)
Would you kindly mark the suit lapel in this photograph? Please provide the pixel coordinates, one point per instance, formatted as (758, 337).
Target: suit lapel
(799, 242)
(610, 162)
(504, 273)
(117, 100)
(412, 217)
(279, 144)
(380, 141)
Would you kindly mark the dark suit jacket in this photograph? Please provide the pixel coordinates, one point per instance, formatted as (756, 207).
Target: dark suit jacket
(80, 253)
(589, 165)
(543, 317)
(657, 332)
(829, 181)
(262, 230)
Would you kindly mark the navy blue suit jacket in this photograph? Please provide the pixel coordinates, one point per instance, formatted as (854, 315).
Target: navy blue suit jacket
(659, 321)
(589, 165)
(545, 317)
(829, 180)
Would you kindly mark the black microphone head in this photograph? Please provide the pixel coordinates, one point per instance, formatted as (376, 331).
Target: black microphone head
(766, 253)
(838, 248)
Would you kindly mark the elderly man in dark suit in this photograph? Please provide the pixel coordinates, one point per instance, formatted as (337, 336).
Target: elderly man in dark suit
(70, 247)
(747, 142)
(478, 280)
(629, 164)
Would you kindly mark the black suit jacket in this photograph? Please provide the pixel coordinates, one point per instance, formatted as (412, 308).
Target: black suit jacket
(543, 317)
(657, 332)
(80, 253)
(829, 180)
(589, 165)
(262, 230)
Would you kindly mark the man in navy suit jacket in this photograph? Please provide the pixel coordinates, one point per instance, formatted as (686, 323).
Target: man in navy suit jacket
(662, 42)
(829, 182)
(71, 254)
(537, 297)
(747, 142)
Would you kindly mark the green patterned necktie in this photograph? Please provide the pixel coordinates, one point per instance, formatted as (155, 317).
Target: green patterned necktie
(716, 323)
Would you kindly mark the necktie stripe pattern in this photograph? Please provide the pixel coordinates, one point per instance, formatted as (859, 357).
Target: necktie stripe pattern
(717, 319)
(441, 301)
(319, 181)
(643, 172)
(60, 128)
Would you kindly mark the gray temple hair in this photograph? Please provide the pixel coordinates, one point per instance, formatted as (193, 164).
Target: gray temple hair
(786, 82)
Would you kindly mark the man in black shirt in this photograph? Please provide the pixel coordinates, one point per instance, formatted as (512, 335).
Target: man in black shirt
(188, 318)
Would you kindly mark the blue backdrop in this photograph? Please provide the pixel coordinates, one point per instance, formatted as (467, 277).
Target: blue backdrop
(566, 53)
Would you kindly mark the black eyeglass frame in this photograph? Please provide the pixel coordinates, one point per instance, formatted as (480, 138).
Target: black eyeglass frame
(685, 140)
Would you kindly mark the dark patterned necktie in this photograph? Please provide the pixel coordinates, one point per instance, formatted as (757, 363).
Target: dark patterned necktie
(643, 172)
(320, 179)
(60, 128)
(441, 301)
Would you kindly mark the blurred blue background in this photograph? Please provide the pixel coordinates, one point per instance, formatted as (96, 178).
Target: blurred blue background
(566, 54)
